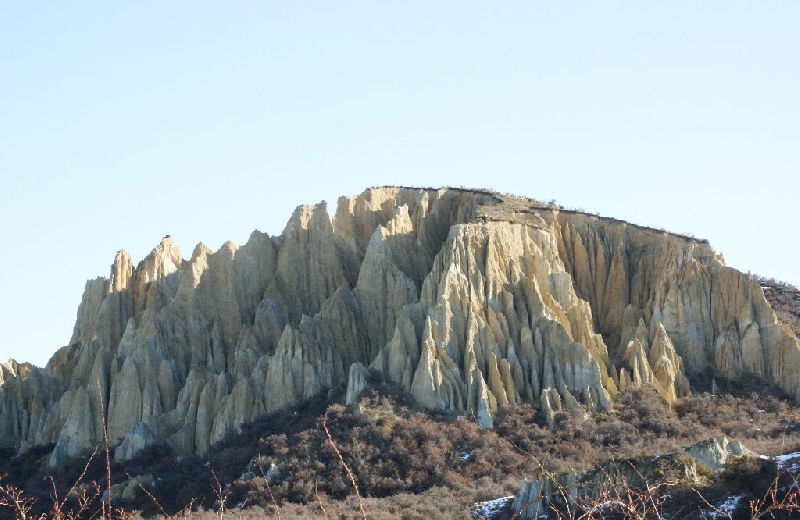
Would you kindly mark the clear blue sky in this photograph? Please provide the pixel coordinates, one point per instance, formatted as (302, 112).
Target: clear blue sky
(123, 122)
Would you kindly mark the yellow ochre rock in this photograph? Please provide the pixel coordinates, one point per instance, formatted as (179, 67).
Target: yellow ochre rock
(470, 300)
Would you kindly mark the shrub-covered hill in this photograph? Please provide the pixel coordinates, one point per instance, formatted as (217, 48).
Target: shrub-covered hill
(785, 301)
(408, 462)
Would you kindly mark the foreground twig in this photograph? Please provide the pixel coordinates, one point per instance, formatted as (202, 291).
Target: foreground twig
(150, 495)
(58, 507)
(319, 501)
(220, 493)
(107, 506)
(14, 499)
(770, 503)
(346, 467)
(269, 488)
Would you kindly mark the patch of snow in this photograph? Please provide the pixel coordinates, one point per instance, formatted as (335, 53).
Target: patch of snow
(491, 508)
(728, 506)
(789, 462)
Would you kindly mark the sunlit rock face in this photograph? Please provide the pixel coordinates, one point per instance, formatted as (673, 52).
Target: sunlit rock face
(471, 301)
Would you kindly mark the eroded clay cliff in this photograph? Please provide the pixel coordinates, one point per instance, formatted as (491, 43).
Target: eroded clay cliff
(471, 301)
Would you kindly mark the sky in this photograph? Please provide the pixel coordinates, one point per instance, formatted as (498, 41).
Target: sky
(124, 122)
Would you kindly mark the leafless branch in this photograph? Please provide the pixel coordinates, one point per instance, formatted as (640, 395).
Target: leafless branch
(346, 467)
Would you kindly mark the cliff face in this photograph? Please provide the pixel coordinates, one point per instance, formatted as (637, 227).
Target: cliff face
(471, 301)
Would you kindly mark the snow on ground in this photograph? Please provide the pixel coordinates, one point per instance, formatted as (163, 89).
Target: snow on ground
(728, 506)
(789, 462)
(491, 508)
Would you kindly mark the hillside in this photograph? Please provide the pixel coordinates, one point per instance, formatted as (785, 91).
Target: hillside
(409, 462)
(463, 304)
(785, 300)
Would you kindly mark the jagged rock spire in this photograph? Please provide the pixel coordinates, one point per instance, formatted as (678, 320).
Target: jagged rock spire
(470, 300)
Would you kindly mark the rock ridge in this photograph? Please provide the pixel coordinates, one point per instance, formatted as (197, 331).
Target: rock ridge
(470, 300)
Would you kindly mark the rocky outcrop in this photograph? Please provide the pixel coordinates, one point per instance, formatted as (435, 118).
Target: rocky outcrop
(613, 479)
(471, 301)
(27, 394)
(500, 323)
(715, 453)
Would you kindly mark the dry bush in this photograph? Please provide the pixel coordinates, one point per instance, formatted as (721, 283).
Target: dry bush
(642, 423)
(397, 451)
(785, 301)
(391, 448)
